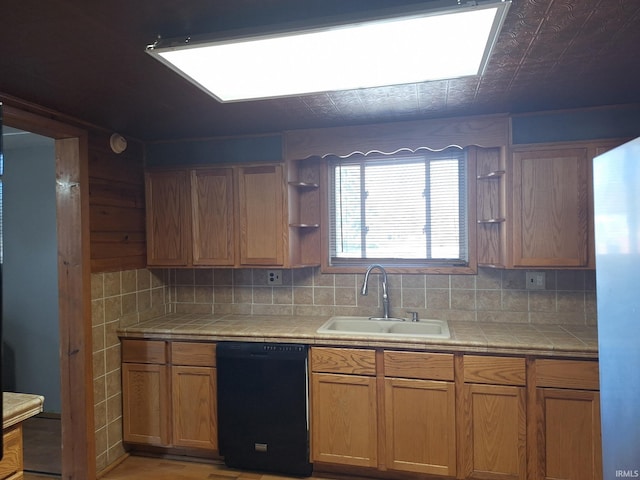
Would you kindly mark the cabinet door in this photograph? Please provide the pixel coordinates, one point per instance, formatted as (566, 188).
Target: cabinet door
(494, 435)
(213, 216)
(145, 399)
(261, 199)
(168, 218)
(570, 445)
(420, 426)
(194, 407)
(344, 419)
(551, 208)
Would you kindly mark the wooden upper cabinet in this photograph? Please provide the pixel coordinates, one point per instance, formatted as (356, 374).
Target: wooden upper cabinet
(550, 210)
(261, 204)
(248, 215)
(212, 216)
(168, 218)
(218, 216)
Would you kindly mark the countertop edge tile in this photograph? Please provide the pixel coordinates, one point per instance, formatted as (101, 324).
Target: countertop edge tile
(17, 407)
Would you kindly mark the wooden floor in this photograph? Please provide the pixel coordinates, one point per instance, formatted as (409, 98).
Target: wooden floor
(145, 468)
(41, 436)
(42, 461)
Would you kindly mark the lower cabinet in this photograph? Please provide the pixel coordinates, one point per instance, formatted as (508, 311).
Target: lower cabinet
(495, 436)
(420, 419)
(567, 421)
(345, 419)
(145, 392)
(169, 394)
(428, 414)
(193, 395)
(365, 402)
(344, 408)
(494, 403)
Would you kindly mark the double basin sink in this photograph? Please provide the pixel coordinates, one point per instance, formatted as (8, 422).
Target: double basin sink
(386, 327)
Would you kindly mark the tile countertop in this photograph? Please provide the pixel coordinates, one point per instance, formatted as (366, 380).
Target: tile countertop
(17, 407)
(577, 341)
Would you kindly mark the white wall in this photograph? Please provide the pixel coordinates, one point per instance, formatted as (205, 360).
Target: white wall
(30, 272)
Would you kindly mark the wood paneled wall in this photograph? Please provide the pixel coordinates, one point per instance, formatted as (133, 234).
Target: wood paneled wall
(117, 211)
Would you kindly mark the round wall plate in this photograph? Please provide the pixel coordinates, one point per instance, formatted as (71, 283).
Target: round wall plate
(118, 143)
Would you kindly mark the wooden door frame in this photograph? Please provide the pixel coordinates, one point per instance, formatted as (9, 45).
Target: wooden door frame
(74, 288)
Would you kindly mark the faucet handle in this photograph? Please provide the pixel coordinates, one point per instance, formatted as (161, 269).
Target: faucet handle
(414, 316)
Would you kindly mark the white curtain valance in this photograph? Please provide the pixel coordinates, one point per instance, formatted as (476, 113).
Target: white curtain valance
(484, 131)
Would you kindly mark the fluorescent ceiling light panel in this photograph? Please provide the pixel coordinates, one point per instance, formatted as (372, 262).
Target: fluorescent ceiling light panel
(393, 51)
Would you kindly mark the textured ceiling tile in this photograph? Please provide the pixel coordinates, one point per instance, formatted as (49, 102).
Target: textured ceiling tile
(547, 49)
(509, 52)
(461, 91)
(432, 96)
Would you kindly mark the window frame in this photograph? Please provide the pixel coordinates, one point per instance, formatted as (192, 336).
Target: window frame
(393, 266)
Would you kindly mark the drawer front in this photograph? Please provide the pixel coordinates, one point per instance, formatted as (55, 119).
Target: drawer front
(144, 351)
(422, 365)
(193, 354)
(12, 459)
(494, 370)
(578, 374)
(343, 360)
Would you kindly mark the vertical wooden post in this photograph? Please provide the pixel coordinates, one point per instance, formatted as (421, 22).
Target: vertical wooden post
(72, 201)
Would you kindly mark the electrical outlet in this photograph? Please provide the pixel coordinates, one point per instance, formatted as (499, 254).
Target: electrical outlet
(274, 277)
(535, 280)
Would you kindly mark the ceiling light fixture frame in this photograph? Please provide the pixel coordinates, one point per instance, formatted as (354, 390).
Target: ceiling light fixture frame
(254, 73)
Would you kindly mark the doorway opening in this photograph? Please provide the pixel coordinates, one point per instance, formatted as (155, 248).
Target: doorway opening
(31, 340)
(74, 295)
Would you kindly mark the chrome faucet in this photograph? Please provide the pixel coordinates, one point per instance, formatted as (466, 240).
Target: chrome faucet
(385, 290)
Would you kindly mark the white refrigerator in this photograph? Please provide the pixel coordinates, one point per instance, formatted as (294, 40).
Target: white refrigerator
(616, 179)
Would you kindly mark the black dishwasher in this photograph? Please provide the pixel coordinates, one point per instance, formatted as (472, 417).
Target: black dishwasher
(262, 406)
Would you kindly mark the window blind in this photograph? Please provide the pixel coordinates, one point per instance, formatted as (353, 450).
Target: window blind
(402, 209)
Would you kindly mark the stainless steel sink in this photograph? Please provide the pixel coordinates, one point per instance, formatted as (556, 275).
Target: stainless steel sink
(393, 327)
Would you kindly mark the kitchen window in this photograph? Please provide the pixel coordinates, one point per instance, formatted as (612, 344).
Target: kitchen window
(402, 210)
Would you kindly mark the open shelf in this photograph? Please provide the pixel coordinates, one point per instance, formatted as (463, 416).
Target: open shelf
(491, 175)
(303, 179)
(303, 185)
(491, 207)
(491, 220)
(304, 225)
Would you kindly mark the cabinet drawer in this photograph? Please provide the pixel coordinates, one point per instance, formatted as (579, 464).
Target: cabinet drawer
(343, 360)
(494, 370)
(12, 459)
(427, 366)
(193, 354)
(144, 351)
(578, 374)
